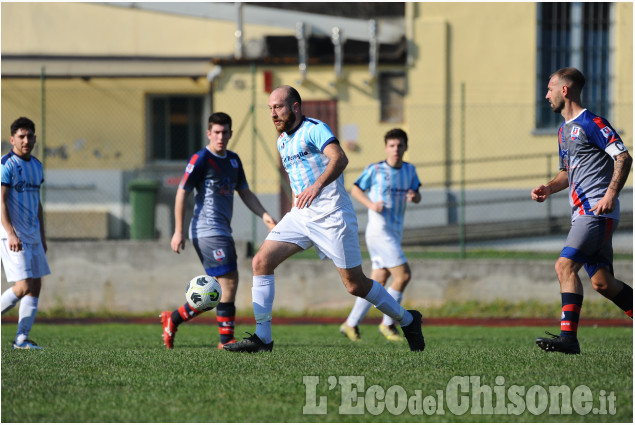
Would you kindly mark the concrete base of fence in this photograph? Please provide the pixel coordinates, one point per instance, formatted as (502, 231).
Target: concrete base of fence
(146, 276)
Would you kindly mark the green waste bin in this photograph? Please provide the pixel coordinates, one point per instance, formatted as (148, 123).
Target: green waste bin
(143, 199)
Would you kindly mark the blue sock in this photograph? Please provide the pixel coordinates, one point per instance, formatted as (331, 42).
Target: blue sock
(571, 305)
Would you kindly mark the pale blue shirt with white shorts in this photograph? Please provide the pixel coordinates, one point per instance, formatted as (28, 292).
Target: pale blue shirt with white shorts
(385, 230)
(329, 223)
(23, 179)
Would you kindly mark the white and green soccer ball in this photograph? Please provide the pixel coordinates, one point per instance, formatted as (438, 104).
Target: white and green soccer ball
(203, 293)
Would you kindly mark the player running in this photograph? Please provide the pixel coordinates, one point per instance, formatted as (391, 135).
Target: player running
(322, 216)
(594, 165)
(390, 184)
(215, 173)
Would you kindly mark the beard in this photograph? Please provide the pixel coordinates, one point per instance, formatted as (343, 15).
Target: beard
(287, 124)
(557, 107)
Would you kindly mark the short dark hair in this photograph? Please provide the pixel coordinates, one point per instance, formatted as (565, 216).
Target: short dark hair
(220, 118)
(571, 75)
(396, 133)
(292, 95)
(22, 122)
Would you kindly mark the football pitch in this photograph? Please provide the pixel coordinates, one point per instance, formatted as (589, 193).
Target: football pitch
(123, 373)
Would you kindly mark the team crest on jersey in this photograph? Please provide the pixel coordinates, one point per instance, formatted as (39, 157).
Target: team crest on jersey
(233, 162)
(189, 168)
(575, 133)
(606, 131)
(219, 255)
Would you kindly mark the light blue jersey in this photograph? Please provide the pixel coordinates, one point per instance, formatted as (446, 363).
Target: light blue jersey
(389, 185)
(303, 159)
(23, 178)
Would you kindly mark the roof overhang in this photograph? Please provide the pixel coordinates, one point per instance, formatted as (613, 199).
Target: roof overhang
(109, 67)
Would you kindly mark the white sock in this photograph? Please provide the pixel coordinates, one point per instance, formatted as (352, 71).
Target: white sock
(398, 296)
(28, 310)
(358, 312)
(9, 300)
(381, 299)
(262, 294)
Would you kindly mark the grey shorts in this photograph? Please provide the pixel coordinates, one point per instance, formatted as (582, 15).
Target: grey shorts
(217, 254)
(590, 242)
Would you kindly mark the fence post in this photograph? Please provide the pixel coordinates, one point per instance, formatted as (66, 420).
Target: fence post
(254, 132)
(462, 198)
(43, 139)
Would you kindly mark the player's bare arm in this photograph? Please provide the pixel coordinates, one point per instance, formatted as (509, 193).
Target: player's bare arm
(15, 244)
(178, 242)
(560, 182)
(253, 203)
(361, 196)
(621, 171)
(337, 163)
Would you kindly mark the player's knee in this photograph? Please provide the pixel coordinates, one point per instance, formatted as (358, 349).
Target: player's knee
(357, 290)
(563, 269)
(260, 265)
(20, 290)
(600, 286)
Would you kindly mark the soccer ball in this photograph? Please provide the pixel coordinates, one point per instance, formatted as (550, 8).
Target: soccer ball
(203, 293)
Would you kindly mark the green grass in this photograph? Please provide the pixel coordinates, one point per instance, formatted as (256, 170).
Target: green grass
(122, 373)
(470, 254)
(593, 309)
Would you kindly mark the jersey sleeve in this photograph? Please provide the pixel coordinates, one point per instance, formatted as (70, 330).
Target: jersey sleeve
(193, 172)
(6, 174)
(365, 179)
(604, 136)
(241, 181)
(321, 136)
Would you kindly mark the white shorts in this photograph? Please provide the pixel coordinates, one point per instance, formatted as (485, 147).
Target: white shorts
(384, 250)
(28, 263)
(334, 235)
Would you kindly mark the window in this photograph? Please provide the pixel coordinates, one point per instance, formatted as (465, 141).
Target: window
(176, 127)
(392, 89)
(578, 35)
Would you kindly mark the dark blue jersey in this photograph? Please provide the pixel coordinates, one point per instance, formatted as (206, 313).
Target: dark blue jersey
(215, 180)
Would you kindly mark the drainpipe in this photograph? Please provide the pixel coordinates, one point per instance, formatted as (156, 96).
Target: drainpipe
(300, 34)
(337, 37)
(373, 47)
(239, 31)
(410, 19)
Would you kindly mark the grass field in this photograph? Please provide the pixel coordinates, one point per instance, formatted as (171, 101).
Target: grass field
(122, 373)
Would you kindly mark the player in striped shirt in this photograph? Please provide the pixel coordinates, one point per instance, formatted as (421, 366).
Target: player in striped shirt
(215, 173)
(594, 166)
(390, 184)
(322, 216)
(22, 236)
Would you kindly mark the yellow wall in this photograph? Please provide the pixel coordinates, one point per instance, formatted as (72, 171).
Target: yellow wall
(455, 43)
(97, 29)
(99, 123)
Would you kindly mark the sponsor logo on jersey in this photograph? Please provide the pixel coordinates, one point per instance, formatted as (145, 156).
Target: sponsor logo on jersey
(289, 158)
(219, 255)
(564, 154)
(233, 162)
